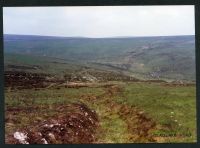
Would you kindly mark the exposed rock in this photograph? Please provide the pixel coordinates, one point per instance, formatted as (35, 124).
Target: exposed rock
(76, 126)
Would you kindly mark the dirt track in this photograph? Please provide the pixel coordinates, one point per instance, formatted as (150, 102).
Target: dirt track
(79, 123)
(137, 123)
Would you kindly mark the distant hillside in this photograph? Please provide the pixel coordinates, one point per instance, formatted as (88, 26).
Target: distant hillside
(170, 57)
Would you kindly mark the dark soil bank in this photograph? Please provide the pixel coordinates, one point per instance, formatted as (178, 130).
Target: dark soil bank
(76, 124)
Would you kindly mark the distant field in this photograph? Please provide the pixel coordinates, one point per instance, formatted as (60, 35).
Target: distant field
(120, 107)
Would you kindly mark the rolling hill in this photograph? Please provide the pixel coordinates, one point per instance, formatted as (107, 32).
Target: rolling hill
(161, 57)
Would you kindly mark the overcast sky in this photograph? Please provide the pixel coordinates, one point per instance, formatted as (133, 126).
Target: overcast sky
(107, 21)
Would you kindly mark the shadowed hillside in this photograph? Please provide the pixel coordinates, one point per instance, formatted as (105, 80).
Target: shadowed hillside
(170, 57)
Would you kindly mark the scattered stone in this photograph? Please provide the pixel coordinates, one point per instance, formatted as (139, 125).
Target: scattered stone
(21, 137)
(77, 126)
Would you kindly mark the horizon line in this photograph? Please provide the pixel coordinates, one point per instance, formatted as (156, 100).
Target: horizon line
(99, 37)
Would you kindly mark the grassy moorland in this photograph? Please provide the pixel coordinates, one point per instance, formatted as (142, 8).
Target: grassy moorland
(120, 108)
(111, 90)
(162, 57)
